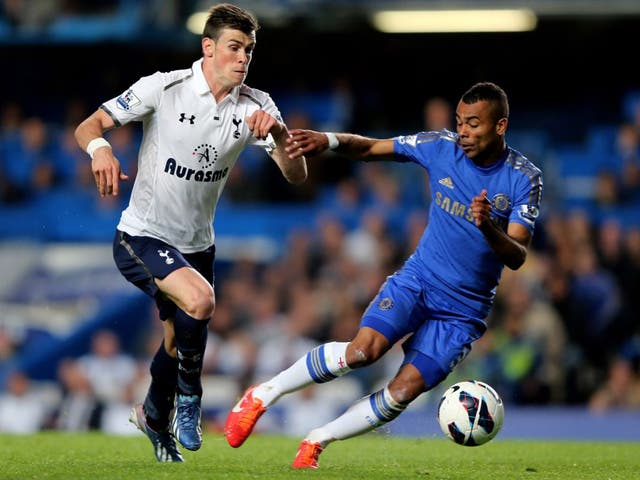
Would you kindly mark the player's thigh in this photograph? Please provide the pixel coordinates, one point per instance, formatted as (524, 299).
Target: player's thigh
(166, 274)
(439, 345)
(192, 289)
(397, 310)
(188, 289)
(143, 259)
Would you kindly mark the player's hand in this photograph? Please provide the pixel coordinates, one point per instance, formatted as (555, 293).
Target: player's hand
(260, 123)
(107, 172)
(481, 208)
(306, 142)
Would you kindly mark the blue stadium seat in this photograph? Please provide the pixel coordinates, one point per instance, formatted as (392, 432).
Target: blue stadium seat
(533, 143)
(601, 139)
(126, 21)
(575, 172)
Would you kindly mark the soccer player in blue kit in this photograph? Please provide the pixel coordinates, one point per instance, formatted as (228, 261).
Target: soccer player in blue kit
(485, 201)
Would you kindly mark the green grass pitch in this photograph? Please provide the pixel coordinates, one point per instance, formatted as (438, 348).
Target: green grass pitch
(375, 456)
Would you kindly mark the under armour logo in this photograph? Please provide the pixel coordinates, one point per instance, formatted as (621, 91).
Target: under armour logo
(167, 259)
(183, 117)
(237, 123)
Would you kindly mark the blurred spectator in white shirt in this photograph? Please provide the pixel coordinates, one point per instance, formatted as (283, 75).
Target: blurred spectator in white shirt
(23, 409)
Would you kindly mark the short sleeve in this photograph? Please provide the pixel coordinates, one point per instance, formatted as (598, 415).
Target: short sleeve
(140, 99)
(527, 205)
(419, 148)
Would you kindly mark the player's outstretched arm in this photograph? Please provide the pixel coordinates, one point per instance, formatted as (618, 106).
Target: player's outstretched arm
(310, 142)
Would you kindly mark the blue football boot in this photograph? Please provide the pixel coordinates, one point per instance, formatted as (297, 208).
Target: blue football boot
(163, 442)
(186, 421)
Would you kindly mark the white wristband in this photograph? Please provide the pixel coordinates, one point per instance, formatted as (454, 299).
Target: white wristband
(333, 140)
(95, 144)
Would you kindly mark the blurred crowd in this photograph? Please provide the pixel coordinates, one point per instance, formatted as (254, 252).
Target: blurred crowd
(564, 330)
(38, 157)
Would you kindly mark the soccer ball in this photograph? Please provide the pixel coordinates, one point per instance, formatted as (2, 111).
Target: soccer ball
(470, 413)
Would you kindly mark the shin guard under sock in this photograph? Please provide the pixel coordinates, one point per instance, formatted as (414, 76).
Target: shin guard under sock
(363, 416)
(159, 400)
(191, 340)
(322, 364)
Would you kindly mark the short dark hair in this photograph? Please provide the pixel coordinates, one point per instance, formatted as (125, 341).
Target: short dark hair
(226, 15)
(489, 92)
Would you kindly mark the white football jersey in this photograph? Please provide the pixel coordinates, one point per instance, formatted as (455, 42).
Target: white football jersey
(189, 145)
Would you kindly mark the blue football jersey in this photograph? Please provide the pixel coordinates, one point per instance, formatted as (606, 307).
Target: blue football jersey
(453, 254)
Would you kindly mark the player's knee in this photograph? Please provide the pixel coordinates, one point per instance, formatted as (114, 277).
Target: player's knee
(361, 355)
(407, 385)
(170, 344)
(205, 306)
(201, 303)
(366, 348)
(172, 351)
(404, 391)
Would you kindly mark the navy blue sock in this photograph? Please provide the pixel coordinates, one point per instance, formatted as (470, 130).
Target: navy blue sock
(159, 400)
(191, 340)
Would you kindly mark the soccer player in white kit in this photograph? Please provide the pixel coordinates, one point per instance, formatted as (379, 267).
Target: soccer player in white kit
(196, 122)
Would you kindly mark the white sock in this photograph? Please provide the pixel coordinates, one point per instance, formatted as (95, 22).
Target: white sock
(363, 416)
(322, 364)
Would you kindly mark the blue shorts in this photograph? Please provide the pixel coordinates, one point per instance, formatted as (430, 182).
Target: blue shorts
(440, 333)
(141, 259)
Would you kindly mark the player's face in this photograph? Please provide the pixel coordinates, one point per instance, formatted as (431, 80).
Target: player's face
(232, 54)
(479, 135)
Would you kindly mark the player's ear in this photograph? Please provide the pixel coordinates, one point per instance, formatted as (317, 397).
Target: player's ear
(501, 126)
(208, 46)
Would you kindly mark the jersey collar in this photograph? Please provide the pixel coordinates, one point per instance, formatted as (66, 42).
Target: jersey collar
(201, 87)
(199, 83)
